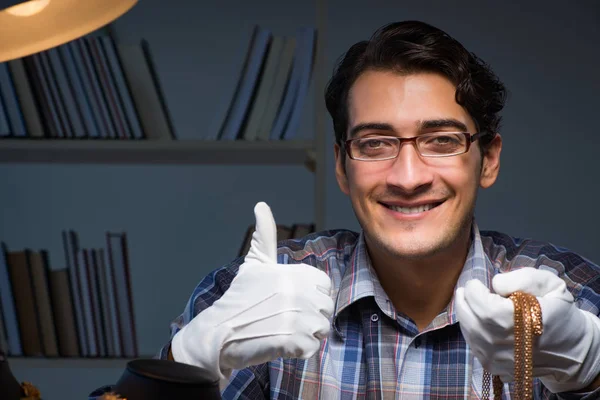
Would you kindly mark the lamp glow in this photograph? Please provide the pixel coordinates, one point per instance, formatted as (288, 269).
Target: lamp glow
(28, 27)
(27, 9)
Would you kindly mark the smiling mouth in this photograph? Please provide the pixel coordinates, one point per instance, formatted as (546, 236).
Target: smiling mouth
(413, 210)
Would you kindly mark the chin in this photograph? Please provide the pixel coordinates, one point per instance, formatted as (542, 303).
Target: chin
(414, 242)
(413, 248)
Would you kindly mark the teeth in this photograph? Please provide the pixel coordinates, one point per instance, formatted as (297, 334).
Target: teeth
(412, 210)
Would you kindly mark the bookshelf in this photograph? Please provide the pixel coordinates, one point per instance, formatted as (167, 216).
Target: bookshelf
(63, 362)
(302, 153)
(156, 152)
(309, 153)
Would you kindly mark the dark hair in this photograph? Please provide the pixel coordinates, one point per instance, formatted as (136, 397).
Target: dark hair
(412, 47)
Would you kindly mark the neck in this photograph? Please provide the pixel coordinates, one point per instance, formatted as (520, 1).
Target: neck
(421, 288)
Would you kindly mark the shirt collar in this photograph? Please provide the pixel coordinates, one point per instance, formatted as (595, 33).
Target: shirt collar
(360, 280)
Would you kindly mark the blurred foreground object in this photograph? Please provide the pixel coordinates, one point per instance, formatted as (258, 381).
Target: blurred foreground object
(163, 379)
(10, 389)
(31, 26)
(142, 380)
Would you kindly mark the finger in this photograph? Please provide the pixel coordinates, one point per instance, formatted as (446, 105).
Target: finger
(323, 304)
(304, 346)
(321, 328)
(312, 326)
(537, 282)
(467, 321)
(320, 279)
(470, 327)
(263, 248)
(465, 316)
(489, 308)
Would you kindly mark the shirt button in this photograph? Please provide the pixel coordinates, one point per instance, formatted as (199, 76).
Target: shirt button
(374, 318)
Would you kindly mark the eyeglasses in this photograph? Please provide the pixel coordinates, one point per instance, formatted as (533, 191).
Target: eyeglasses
(438, 144)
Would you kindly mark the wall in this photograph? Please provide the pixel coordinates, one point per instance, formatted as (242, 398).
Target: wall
(544, 51)
(185, 221)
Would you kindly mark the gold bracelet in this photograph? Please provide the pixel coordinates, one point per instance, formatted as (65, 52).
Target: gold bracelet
(30, 392)
(527, 324)
(111, 396)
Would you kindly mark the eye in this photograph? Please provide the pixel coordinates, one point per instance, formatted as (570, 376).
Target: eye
(373, 147)
(374, 143)
(444, 139)
(442, 143)
(449, 139)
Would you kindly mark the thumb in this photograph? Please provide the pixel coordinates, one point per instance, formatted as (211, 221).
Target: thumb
(537, 282)
(263, 247)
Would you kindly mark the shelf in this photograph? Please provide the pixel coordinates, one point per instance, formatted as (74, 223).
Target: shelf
(43, 362)
(156, 152)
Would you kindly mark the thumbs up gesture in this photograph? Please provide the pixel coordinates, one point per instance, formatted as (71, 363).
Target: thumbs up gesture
(270, 310)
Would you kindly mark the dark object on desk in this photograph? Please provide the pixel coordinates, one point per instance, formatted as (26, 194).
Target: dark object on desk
(164, 379)
(10, 389)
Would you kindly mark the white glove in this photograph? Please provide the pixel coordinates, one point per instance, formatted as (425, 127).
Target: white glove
(566, 357)
(269, 311)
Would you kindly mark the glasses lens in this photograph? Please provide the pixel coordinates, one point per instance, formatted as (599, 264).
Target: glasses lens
(442, 144)
(375, 148)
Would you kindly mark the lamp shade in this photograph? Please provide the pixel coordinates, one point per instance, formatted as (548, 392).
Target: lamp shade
(29, 27)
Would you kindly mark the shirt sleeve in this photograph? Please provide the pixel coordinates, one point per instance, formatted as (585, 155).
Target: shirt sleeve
(248, 384)
(581, 277)
(571, 396)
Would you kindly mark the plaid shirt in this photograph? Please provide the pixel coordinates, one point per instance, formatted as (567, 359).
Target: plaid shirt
(374, 352)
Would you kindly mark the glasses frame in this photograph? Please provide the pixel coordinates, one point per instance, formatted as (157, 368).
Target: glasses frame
(470, 138)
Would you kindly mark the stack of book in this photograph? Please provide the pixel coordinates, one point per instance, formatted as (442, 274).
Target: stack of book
(96, 87)
(84, 309)
(90, 88)
(272, 87)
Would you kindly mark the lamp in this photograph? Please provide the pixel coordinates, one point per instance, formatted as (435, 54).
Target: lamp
(31, 26)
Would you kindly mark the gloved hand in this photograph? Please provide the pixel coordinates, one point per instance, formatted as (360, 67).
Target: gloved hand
(566, 357)
(269, 311)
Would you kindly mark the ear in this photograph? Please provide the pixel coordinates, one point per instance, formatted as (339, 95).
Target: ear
(491, 163)
(340, 172)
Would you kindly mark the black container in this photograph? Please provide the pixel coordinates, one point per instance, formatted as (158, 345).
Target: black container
(154, 379)
(10, 389)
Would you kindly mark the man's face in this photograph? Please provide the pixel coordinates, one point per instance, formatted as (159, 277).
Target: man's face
(411, 206)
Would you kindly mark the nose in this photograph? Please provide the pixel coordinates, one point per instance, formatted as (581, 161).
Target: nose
(409, 172)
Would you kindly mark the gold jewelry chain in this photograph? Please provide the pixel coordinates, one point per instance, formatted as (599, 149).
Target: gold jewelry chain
(528, 322)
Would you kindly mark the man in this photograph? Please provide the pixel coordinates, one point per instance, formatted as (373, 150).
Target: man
(415, 305)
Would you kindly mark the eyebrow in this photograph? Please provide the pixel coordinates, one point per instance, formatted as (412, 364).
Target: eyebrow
(442, 123)
(376, 126)
(421, 126)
